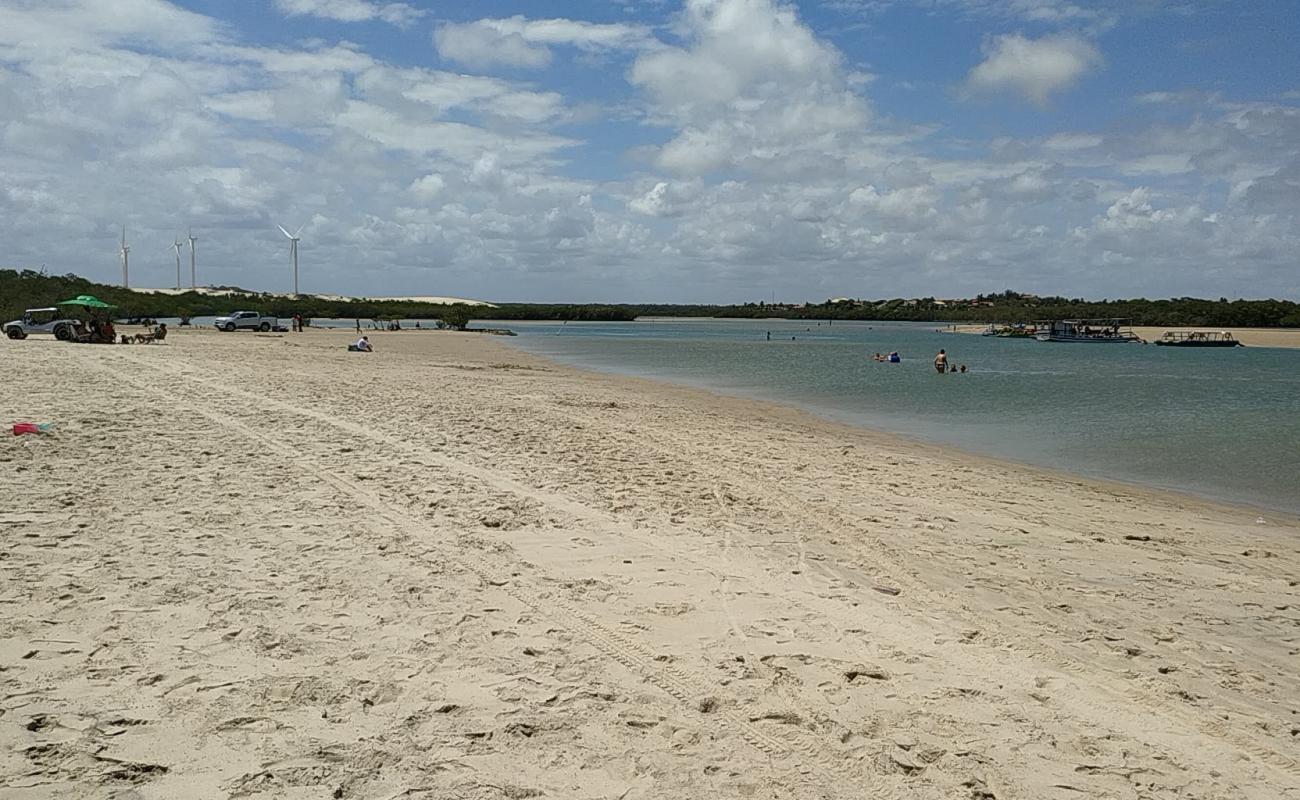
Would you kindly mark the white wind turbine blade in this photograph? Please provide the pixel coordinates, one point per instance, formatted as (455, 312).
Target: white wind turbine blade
(300, 227)
(282, 230)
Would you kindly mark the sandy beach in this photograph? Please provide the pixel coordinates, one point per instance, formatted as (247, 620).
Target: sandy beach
(1251, 337)
(251, 565)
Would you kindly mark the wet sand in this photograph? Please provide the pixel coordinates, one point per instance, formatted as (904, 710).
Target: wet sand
(259, 566)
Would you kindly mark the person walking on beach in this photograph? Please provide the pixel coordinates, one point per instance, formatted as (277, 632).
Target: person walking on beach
(941, 362)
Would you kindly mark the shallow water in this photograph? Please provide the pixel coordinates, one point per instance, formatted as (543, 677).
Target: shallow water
(1220, 423)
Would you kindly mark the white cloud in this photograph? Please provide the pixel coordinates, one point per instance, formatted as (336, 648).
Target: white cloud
(758, 166)
(1035, 68)
(427, 187)
(476, 45)
(914, 203)
(1277, 193)
(520, 42)
(1134, 211)
(667, 199)
(352, 10)
(754, 88)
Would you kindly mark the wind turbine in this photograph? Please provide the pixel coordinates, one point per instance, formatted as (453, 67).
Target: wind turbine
(177, 245)
(293, 252)
(126, 267)
(193, 239)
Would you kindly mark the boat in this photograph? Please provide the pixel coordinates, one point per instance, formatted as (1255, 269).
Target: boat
(1198, 339)
(1017, 331)
(1093, 331)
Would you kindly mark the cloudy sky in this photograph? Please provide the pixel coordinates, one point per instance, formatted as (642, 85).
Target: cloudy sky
(659, 150)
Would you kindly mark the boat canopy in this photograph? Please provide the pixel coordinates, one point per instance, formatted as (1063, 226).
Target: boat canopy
(1197, 336)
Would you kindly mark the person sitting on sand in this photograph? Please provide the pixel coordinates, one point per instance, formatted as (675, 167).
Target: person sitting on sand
(362, 345)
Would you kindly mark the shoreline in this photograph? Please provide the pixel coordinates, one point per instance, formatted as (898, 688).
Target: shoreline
(904, 441)
(251, 564)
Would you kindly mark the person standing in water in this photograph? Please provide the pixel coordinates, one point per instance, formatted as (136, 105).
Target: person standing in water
(941, 362)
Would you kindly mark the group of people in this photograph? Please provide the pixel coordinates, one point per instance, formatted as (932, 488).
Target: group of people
(97, 331)
(941, 364)
(156, 334)
(102, 331)
(296, 325)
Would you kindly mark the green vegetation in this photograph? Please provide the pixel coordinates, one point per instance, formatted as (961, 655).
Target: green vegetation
(1010, 307)
(29, 289)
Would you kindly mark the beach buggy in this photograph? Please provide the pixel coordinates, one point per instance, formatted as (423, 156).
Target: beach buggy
(43, 320)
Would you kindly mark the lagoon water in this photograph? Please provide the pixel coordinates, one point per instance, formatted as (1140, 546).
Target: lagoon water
(1222, 423)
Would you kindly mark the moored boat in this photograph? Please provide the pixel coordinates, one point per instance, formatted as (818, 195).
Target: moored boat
(1095, 331)
(1198, 339)
(1017, 331)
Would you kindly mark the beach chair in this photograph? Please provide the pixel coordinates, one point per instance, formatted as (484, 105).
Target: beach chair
(157, 335)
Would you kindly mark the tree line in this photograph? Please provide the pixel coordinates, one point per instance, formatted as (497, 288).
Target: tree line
(21, 289)
(1011, 307)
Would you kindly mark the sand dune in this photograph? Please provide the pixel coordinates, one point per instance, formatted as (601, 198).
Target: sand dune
(259, 566)
(235, 293)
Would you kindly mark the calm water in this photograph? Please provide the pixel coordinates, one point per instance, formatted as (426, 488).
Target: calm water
(1221, 423)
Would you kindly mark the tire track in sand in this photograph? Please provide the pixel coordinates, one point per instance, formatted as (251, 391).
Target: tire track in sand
(995, 639)
(688, 688)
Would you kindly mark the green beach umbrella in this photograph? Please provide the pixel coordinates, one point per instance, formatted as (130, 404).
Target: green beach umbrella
(87, 300)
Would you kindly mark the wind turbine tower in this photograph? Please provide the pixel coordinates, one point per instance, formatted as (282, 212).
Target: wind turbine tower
(177, 245)
(126, 266)
(193, 239)
(293, 252)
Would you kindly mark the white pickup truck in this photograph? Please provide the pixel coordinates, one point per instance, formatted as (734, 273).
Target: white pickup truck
(251, 320)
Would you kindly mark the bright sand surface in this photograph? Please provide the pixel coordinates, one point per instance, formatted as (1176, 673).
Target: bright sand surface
(1251, 337)
(259, 566)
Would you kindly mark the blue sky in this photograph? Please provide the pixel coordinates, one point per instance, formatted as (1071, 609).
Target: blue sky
(706, 150)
